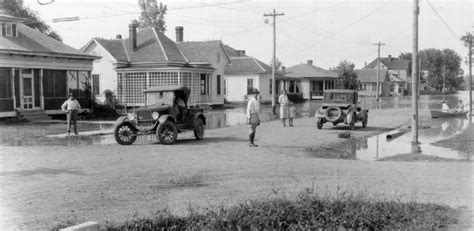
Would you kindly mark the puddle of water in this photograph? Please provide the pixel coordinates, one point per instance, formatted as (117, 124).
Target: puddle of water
(378, 147)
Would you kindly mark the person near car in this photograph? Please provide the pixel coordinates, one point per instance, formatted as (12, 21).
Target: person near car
(291, 113)
(253, 118)
(71, 106)
(181, 107)
(284, 102)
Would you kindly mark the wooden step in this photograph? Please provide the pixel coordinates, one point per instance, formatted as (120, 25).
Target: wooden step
(34, 115)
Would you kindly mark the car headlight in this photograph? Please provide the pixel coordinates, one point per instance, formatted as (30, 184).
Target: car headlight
(155, 115)
(131, 116)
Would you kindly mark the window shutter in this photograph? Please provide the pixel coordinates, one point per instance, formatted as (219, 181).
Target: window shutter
(4, 29)
(14, 34)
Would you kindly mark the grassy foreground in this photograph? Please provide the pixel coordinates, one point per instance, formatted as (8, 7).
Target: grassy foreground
(306, 211)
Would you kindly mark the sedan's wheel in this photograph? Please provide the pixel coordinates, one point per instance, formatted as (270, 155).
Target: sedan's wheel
(125, 134)
(319, 123)
(167, 132)
(199, 131)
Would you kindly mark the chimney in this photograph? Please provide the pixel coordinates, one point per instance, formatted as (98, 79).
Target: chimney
(241, 53)
(132, 31)
(365, 63)
(283, 69)
(389, 58)
(179, 34)
(310, 62)
(119, 36)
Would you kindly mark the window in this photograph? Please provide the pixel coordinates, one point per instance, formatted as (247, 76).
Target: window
(218, 83)
(203, 84)
(225, 86)
(5, 84)
(95, 85)
(270, 84)
(54, 84)
(9, 29)
(249, 86)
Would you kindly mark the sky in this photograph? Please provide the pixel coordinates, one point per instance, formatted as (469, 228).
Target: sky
(321, 30)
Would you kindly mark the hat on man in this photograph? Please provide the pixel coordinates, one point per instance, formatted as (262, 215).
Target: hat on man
(70, 94)
(255, 91)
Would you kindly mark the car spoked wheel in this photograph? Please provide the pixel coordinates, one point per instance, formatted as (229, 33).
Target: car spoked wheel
(167, 132)
(199, 131)
(125, 134)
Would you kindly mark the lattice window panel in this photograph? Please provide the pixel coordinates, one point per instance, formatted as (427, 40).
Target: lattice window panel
(163, 78)
(131, 86)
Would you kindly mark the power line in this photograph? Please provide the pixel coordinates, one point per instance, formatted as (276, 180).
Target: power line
(442, 20)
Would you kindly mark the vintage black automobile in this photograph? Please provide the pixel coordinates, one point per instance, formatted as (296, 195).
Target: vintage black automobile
(165, 114)
(341, 106)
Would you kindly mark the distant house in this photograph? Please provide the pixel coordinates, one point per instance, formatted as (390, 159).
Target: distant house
(313, 80)
(148, 58)
(368, 81)
(398, 69)
(245, 73)
(37, 72)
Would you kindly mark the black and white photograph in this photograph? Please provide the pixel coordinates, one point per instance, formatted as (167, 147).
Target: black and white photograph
(348, 115)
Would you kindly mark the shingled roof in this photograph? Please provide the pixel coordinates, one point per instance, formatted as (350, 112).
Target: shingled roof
(370, 75)
(32, 42)
(390, 63)
(307, 70)
(152, 46)
(247, 65)
(202, 51)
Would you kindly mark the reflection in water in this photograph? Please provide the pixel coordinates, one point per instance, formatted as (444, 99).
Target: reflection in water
(378, 147)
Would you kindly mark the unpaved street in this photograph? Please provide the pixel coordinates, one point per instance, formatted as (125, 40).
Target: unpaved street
(42, 185)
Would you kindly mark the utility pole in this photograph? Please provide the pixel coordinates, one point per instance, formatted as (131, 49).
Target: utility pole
(378, 69)
(273, 14)
(414, 80)
(469, 80)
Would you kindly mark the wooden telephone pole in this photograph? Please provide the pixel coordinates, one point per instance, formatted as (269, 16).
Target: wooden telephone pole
(414, 79)
(273, 14)
(379, 44)
(469, 80)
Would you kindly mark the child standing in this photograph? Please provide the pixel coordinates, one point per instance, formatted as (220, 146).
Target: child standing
(292, 113)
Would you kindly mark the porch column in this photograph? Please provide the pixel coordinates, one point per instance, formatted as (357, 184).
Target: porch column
(147, 81)
(324, 85)
(41, 89)
(12, 75)
(179, 77)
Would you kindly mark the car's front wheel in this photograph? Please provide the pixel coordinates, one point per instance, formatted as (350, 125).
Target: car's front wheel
(125, 134)
(319, 123)
(167, 132)
(199, 130)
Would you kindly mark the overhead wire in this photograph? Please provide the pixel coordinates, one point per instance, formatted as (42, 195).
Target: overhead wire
(442, 20)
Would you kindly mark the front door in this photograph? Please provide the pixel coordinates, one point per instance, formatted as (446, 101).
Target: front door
(27, 89)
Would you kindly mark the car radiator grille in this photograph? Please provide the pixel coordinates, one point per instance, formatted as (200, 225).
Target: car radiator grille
(144, 115)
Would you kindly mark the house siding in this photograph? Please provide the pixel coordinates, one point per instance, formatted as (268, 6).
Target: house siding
(237, 86)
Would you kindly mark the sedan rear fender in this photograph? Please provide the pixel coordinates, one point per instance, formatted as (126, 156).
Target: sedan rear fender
(124, 119)
(199, 116)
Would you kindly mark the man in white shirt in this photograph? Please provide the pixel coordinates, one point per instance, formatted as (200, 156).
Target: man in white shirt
(253, 118)
(71, 107)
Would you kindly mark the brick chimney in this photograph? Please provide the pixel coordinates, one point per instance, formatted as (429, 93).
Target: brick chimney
(310, 62)
(179, 34)
(119, 36)
(283, 69)
(132, 32)
(389, 58)
(241, 53)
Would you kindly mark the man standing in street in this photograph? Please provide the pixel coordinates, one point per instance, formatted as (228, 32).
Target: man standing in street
(71, 107)
(253, 118)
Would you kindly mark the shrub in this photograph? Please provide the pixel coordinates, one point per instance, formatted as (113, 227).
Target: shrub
(307, 211)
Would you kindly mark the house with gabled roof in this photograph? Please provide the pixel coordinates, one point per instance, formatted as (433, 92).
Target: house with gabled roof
(245, 73)
(399, 71)
(149, 58)
(37, 72)
(313, 80)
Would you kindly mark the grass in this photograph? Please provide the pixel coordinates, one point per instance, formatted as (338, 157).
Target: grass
(305, 211)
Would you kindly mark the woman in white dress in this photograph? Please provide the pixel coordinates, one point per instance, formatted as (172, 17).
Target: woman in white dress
(284, 103)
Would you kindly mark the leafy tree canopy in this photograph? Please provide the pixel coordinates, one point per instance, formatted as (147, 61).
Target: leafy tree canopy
(152, 15)
(17, 9)
(347, 76)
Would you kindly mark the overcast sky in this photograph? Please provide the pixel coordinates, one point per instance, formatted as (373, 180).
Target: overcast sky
(324, 31)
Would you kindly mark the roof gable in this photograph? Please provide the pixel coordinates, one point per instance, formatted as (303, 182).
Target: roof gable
(202, 51)
(370, 75)
(390, 63)
(247, 65)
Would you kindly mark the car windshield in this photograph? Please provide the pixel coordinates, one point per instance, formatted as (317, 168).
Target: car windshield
(159, 98)
(339, 98)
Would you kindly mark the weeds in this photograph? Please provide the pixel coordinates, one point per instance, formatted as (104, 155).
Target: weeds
(306, 211)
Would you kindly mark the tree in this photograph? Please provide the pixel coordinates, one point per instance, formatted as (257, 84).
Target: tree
(465, 39)
(17, 9)
(152, 15)
(405, 56)
(278, 64)
(442, 64)
(347, 76)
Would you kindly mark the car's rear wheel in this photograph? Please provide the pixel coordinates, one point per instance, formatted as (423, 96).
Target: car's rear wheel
(125, 134)
(319, 123)
(167, 132)
(199, 131)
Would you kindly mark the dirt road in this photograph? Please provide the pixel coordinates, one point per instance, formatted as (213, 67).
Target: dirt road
(42, 185)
